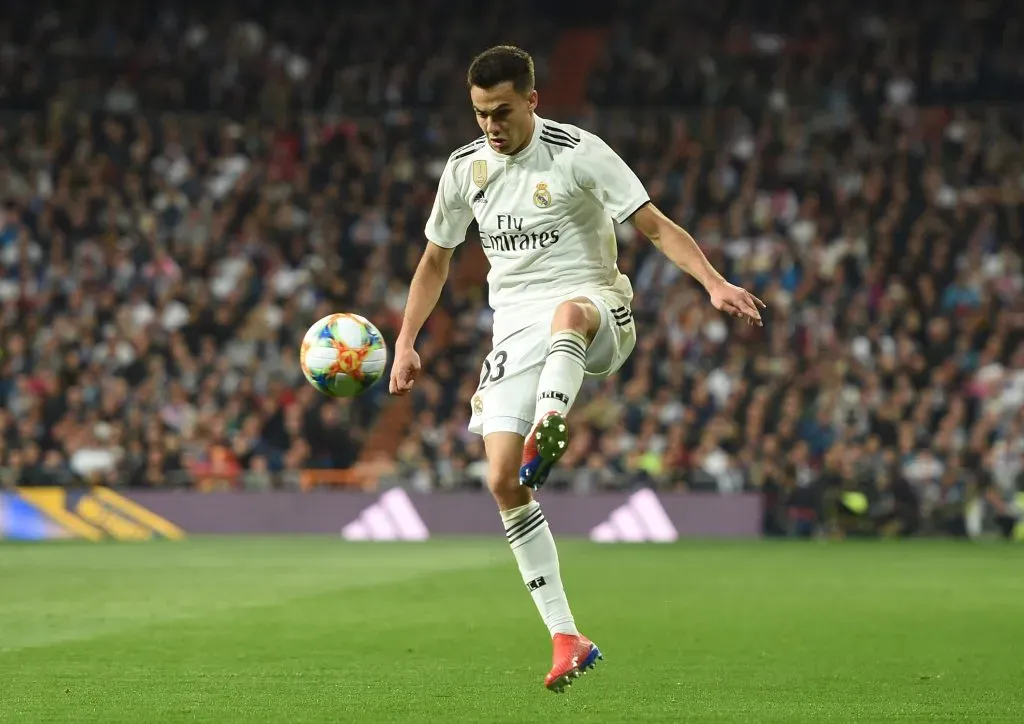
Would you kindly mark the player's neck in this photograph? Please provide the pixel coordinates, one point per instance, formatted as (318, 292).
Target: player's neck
(529, 136)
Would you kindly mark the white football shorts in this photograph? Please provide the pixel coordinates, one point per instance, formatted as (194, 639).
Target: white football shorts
(506, 397)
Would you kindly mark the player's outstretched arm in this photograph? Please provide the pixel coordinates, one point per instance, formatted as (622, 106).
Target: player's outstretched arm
(683, 251)
(424, 291)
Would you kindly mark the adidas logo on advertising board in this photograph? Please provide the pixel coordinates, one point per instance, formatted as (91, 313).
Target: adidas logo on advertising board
(393, 517)
(642, 519)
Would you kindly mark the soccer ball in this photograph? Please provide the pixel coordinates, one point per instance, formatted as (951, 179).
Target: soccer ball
(343, 355)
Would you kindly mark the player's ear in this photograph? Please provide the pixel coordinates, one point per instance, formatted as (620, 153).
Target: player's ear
(531, 100)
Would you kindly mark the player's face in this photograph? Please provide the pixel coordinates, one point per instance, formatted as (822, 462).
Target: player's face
(504, 115)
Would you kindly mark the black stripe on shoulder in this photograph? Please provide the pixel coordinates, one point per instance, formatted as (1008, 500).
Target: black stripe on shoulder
(468, 148)
(474, 142)
(562, 139)
(559, 133)
(556, 141)
(467, 152)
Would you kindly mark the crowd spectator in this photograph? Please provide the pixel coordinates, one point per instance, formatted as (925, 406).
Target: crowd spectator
(184, 192)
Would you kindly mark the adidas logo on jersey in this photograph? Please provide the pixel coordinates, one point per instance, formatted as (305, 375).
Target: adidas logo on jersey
(392, 517)
(641, 520)
(479, 197)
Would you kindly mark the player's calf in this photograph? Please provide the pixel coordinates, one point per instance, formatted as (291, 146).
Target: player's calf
(573, 327)
(528, 534)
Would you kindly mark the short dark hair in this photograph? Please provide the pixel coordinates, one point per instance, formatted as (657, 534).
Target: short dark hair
(500, 64)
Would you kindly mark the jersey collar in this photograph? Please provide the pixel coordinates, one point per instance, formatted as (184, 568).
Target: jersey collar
(538, 125)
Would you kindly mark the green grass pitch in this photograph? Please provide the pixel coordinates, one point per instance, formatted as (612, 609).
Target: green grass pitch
(311, 629)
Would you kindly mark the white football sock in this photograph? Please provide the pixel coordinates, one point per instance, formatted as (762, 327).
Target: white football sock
(563, 372)
(534, 548)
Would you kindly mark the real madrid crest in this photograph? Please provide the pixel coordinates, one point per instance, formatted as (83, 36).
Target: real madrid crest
(541, 196)
(480, 173)
(478, 405)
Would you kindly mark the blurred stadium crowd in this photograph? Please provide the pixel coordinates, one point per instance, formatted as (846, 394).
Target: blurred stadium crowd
(185, 190)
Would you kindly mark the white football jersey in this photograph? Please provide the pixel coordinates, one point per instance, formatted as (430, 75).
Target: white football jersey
(545, 218)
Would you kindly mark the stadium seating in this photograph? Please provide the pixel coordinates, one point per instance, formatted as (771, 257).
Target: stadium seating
(182, 196)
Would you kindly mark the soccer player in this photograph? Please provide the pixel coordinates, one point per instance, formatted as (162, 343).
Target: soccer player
(544, 196)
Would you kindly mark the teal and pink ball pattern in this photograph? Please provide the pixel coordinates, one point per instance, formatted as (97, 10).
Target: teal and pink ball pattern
(343, 355)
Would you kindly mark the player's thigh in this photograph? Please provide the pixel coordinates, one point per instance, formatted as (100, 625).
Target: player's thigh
(615, 338)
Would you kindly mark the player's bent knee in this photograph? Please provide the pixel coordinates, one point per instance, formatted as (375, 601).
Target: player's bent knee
(578, 315)
(507, 491)
(504, 453)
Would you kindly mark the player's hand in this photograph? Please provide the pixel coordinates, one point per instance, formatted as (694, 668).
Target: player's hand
(404, 371)
(737, 302)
